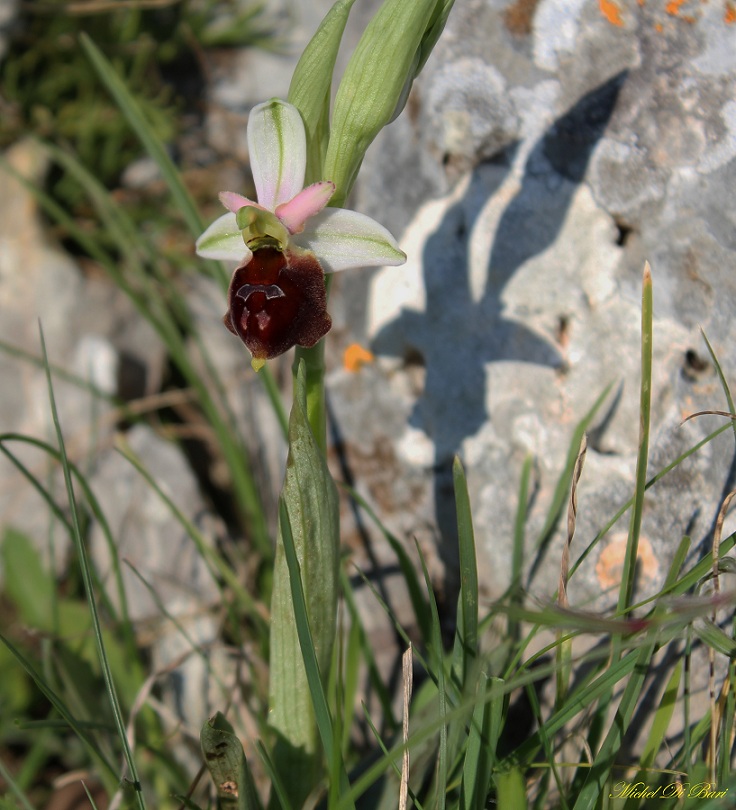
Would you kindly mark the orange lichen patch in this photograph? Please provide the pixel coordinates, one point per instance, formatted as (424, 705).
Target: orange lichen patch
(658, 27)
(518, 17)
(356, 356)
(610, 565)
(673, 7)
(729, 15)
(611, 12)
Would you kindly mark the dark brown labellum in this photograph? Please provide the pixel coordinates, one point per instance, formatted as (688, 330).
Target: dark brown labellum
(277, 301)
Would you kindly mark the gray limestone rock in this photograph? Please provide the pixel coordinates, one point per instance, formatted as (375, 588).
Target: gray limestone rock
(538, 166)
(159, 561)
(170, 589)
(92, 336)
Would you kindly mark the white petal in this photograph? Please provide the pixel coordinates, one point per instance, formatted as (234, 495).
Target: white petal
(278, 151)
(342, 239)
(223, 240)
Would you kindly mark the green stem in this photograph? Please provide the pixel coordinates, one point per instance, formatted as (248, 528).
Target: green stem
(314, 362)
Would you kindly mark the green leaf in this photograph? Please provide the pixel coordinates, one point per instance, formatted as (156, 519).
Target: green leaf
(511, 791)
(279, 797)
(225, 759)
(311, 84)
(309, 501)
(479, 754)
(660, 723)
(712, 635)
(328, 732)
(27, 583)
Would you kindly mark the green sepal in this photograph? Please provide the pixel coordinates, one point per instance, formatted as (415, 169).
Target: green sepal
(311, 85)
(394, 46)
(310, 498)
(224, 757)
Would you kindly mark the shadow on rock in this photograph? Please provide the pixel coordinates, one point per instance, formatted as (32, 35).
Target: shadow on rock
(459, 334)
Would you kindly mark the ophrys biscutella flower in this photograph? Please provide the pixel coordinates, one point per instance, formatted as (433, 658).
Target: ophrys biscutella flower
(286, 241)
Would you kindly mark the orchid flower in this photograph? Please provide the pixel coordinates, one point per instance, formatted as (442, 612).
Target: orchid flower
(286, 241)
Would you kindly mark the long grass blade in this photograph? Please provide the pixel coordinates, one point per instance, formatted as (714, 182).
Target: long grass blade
(600, 770)
(94, 506)
(645, 401)
(408, 570)
(367, 652)
(277, 785)
(80, 729)
(215, 563)
(14, 788)
(517, 555)
(660, 724)
(88, 587)
(437, 655)
(468, 625)
(137, 120)
(721, 378)
(564, 645)
(478, 755)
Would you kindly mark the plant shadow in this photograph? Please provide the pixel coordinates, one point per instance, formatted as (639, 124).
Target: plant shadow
(459, 333)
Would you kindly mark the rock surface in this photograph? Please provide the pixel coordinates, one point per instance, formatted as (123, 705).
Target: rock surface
(91, 335)
(92, 332)
(545, 154)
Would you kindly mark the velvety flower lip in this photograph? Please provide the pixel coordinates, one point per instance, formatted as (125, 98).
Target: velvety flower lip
(276, 301)
(278, 151)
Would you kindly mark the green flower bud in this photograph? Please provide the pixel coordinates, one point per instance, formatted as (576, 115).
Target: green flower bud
(392, 50)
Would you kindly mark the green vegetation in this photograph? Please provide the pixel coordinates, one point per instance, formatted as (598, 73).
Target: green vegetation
(76, 678)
